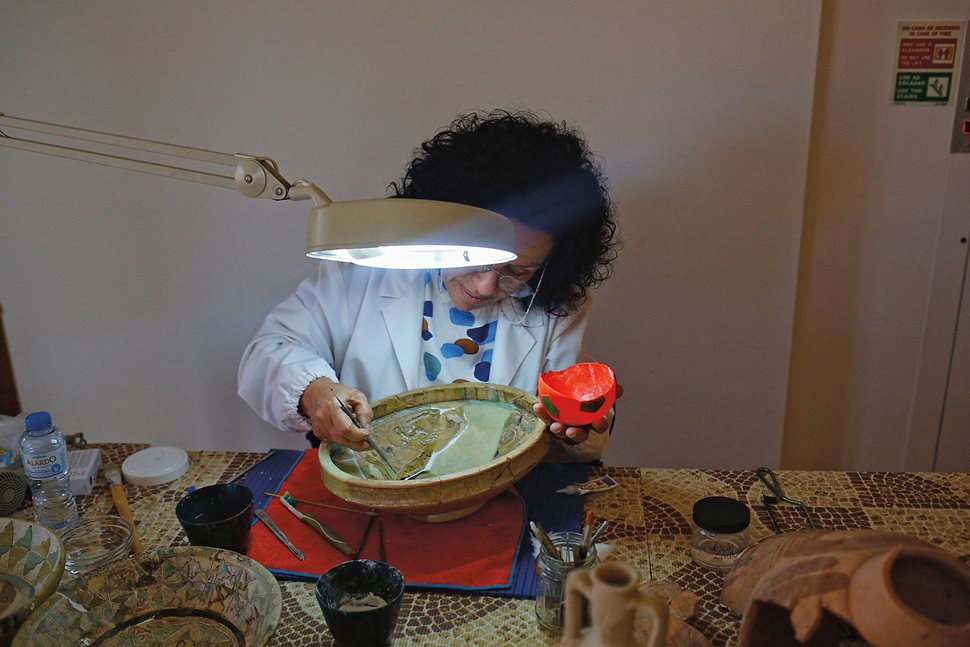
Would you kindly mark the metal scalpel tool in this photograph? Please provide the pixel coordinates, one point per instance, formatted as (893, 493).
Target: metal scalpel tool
(243, 474)
(273, 528)
(353, 418)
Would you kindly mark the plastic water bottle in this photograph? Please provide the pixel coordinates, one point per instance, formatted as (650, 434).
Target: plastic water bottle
(44, 453)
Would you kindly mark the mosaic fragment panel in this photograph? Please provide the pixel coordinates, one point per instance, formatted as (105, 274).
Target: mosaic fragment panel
(621, 501)
(907, 490)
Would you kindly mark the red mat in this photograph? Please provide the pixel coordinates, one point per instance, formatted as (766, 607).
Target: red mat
(475, 552)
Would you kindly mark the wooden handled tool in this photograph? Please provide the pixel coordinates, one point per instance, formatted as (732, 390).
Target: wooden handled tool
(113, 474)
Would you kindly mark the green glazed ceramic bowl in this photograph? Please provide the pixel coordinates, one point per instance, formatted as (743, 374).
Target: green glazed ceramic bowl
(31, 566)
(505, 440)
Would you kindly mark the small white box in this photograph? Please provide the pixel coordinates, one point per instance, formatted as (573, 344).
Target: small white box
(83, 465)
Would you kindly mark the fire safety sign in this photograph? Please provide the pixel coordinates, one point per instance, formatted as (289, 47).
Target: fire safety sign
(926, 60)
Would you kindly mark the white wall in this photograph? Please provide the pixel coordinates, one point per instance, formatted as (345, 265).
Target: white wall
(128, 298)
(876, 186)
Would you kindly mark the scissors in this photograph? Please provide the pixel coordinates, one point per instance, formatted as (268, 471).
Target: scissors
(770, 481)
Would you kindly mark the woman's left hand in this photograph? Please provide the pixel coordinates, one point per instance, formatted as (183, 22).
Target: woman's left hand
(574, 435)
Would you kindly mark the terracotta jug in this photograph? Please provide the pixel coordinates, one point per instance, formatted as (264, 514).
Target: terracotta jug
(612, 591)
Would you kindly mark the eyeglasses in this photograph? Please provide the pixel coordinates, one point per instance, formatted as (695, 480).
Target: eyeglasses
(508, 284)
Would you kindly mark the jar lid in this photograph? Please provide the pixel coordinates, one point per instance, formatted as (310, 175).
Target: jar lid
(721, 514)
(155, 466)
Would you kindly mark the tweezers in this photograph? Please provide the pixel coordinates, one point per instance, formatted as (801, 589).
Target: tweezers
(770, 481)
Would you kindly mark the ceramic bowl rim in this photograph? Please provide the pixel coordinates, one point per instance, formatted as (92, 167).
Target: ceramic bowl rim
(407, 494)
(273, 609)
(50, 584)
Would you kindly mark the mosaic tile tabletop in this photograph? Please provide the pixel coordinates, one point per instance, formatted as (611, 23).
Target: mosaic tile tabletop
(649, 515)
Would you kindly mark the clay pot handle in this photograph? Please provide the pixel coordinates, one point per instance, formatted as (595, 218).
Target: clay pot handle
(656, 609)
(579, 585)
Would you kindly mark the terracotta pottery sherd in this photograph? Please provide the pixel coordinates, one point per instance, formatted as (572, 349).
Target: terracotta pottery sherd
(893, 588)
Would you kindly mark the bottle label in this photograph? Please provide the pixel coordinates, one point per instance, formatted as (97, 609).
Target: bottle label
(44, 466)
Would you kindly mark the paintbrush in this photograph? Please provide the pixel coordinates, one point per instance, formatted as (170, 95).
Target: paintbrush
(113, 474)
(585, 542)
(545, 541)
(329, 535)
(353, 418)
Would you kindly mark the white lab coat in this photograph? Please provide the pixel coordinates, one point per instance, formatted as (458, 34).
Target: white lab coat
(361, 326)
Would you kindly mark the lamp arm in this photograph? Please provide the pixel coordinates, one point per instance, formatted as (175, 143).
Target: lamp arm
(253, 176)
(305, 190)
(402, 233)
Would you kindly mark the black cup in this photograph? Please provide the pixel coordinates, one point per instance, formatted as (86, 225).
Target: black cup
(218, 515)
(360, 601)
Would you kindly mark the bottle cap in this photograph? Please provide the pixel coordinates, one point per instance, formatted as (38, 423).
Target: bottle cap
(721, 514)
(155, 465)
(38, 421)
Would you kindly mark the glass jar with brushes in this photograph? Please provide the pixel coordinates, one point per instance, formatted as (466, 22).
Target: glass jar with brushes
(568, 552)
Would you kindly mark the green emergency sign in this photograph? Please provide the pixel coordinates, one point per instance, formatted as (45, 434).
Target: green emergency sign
(923, 87)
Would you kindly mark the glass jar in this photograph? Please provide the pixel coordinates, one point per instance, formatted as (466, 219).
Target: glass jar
(95, 541)
(551, 576)
(719, 533)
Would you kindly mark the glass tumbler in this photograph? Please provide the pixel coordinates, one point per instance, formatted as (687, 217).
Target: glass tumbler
(95, 541)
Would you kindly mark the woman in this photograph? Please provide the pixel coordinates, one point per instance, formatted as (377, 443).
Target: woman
(361, 334)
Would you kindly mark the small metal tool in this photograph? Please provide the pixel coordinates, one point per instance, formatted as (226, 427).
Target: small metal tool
(243, 474)
(369, 513)
(596, 533)
(770, 481)
(353, 418)
(380, 534)
(263, 516)
(363, 539)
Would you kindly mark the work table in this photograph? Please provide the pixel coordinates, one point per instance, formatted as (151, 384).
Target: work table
(649, 525)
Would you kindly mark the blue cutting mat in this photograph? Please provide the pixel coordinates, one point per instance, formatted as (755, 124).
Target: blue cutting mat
(269, 474)
(556, 513)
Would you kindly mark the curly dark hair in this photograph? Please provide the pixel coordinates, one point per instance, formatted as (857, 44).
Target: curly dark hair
(537, 172)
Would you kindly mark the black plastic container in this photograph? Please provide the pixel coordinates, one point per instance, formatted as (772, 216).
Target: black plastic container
(360, 601)
(219, 516)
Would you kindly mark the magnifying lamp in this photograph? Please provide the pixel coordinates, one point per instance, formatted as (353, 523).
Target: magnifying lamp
(385, 232)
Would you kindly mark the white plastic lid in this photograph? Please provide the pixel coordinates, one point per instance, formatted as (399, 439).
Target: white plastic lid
(155, 465)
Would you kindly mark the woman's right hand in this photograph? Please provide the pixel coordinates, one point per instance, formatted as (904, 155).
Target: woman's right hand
(328, 421)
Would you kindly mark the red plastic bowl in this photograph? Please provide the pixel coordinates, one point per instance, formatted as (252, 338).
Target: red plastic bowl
(579, 394)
